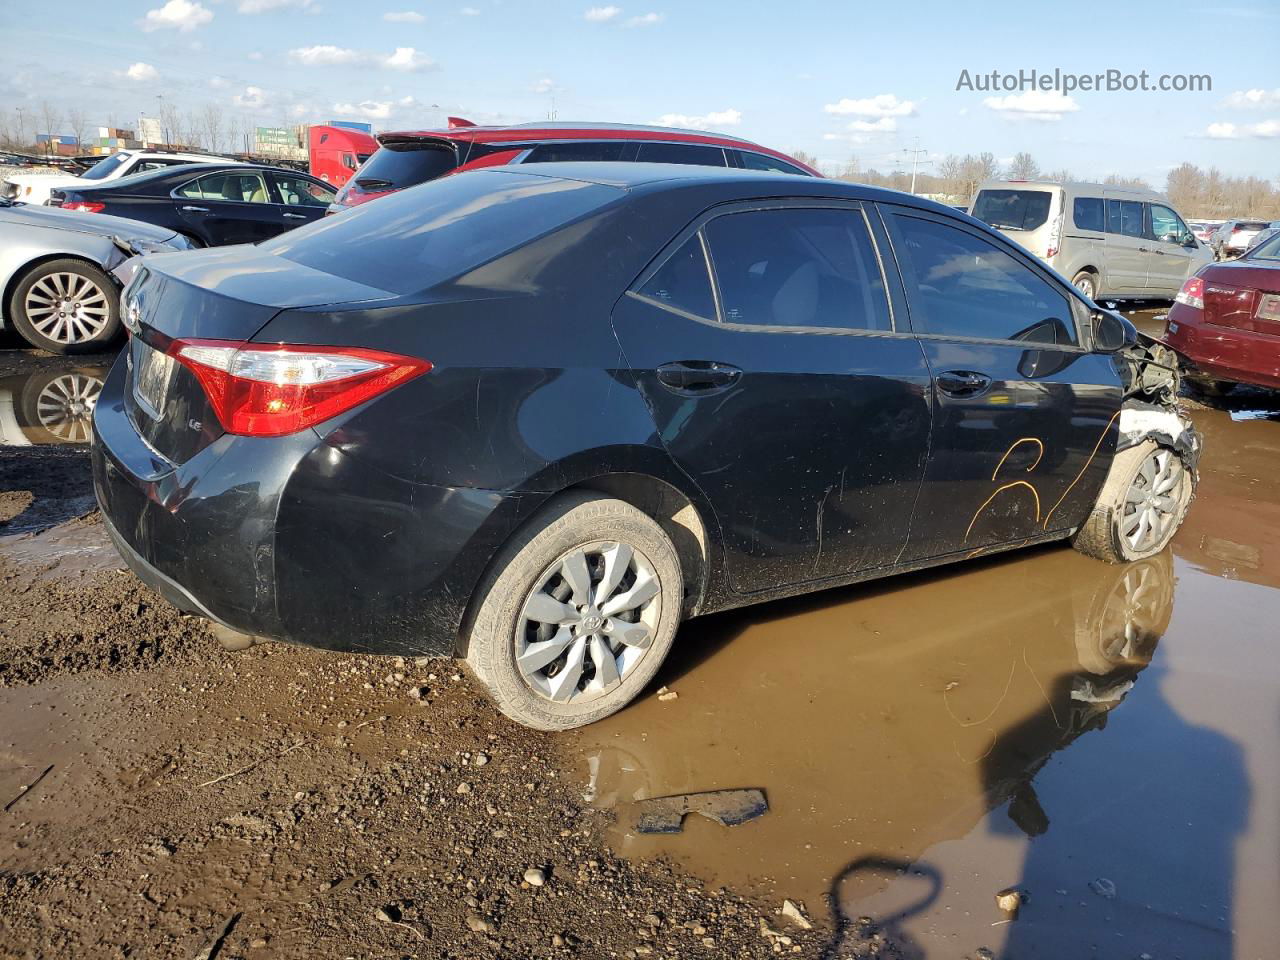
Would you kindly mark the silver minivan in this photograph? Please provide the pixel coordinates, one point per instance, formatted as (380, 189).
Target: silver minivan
(1109, 241)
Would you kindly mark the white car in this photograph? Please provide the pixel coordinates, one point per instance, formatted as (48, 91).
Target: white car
(35, 187)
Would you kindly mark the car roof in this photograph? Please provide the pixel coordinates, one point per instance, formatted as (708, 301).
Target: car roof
(655, 177)
(559, 129)
(1074, 186)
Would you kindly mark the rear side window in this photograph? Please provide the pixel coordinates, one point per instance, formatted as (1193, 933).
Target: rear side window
(758, 161)
(683, 282)
(1124, 217)
(681, 153)
(962, 285)
(234, 187)
(400, 165)
(800, 267)
(568, 152)
(1087, 214)
(1013, 209)
(415, 239)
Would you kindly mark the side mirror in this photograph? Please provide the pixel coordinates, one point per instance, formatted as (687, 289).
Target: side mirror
(1112, 332)
(1189, 240)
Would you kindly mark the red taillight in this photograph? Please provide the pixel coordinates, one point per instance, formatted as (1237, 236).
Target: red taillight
(84, 206)
(1192, 294)
(270, 390)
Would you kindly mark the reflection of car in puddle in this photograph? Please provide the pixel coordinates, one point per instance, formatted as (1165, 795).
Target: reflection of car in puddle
(896, 718)
(49, 406)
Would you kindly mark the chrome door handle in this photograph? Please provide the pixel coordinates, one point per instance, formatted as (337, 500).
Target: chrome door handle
(296, 216)
(196, 209)
(697, 376)
(962, 383)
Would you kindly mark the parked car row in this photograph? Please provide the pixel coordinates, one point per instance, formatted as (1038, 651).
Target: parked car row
(1234, 237)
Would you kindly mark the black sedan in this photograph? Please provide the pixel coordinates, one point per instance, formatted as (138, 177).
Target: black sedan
(211, 203)
(537, 417)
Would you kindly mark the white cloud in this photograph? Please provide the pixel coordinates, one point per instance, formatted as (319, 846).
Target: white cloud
(301, 110)
(255, 55)
(645, 20)
(142, 71)
(883, 125)
(325, 55)
(218, 82)
(545, 85)
(1266, 130)
(1252, 99)
(263, 6)
(181, 15)
(847, 137)
(602, 14)
(1033, 105)
(409, 60)
(404, 16)
(714, 119)
(366, 109)
(469, 12)
(253, 98)
(882, 105)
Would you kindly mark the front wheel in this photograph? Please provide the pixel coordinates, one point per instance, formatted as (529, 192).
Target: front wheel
(1141, 505)
(577, 613)
(1087, 283)
(66, 306)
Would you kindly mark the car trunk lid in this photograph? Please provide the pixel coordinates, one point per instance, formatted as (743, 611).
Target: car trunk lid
(1243, 294)
(225, 295)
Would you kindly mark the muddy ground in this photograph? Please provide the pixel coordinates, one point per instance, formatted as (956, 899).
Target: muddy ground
(1097, 741)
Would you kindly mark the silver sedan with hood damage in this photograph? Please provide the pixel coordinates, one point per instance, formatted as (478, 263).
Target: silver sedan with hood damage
(58, 286)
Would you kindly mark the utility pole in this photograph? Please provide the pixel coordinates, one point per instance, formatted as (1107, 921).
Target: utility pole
(915, 160)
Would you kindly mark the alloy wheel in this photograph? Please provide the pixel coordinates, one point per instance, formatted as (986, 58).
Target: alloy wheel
(67, 308)
(65, 406)
(1085, 286)
(588, 622)
(1153, 503)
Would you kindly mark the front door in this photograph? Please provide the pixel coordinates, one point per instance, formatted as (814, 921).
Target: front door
(779, 384)
(1128, 249)
(1171, 263)
(1024, 422)
(300, 200)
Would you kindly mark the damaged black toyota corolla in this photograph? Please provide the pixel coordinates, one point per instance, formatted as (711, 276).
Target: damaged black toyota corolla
(535, 419)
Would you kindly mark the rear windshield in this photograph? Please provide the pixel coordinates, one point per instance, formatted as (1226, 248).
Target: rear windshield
(415, 239)
(1250, 225)
(104, 168)
(1013, 209)
(399, 165)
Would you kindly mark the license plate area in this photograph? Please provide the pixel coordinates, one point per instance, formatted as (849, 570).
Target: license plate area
(153, 374)
(1269, 308)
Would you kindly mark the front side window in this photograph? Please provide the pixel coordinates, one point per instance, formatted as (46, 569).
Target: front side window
(1087, 214)
(1013, 209)
(801, 267)
(301, 192)
(1124, 217)
(234, 187)
(683, 282)
(758, 161)
(962, 285)
(568, 152)
(1167, 225)
(681, 153)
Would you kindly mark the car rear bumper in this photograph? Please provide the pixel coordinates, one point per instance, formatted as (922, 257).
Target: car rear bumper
(1223, 353)
(291, 539)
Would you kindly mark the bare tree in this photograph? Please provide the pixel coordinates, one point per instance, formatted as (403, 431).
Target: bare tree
(170, 123)
(1024, 167)
(78, 124)
(211, 121)
(1116, 180)
(1062, 175)
(50, 117)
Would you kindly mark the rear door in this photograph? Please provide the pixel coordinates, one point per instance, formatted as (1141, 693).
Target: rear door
(764, 343)
(1024, 415)
(1128, 248)
(229, 207)
(299, 199)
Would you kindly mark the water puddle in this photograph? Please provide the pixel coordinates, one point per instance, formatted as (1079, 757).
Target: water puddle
(1099, 738)
(50, 406)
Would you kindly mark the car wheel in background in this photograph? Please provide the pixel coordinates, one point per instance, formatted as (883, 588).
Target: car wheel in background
(577, 613)
(1141, 505)
(58, 406)
(66, 306)
(1087, 283)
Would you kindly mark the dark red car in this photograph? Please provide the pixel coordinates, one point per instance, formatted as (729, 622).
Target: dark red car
(1225, 322)
(409, 158)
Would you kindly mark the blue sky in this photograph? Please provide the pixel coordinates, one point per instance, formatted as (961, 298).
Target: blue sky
(833, 79)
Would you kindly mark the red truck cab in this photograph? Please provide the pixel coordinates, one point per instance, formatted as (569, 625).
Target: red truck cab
(335, 153)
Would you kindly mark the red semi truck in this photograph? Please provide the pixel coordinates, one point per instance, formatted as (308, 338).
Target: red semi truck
(334, 153)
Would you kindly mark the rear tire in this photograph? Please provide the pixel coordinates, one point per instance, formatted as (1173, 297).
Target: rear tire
(569, 554)
(1141, 506)
(66, 306)
(1086, 281)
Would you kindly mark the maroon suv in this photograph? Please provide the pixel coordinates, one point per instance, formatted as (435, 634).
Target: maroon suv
(409, 158)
